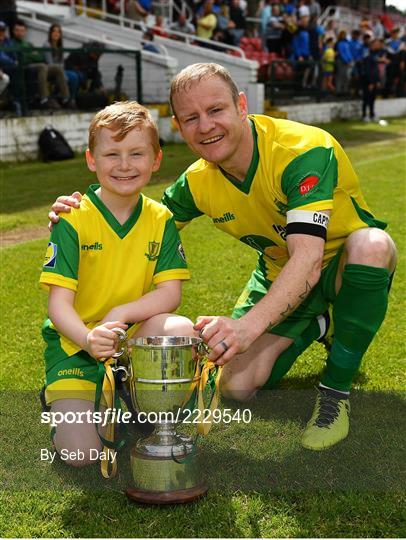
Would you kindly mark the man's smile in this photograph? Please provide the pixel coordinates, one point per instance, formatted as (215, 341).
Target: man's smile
(212, 140)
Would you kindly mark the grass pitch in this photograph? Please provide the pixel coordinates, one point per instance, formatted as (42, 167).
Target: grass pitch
(262, 483)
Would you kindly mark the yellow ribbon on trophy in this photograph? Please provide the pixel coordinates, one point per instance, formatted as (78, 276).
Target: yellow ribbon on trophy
(209, 368)
(108, 391)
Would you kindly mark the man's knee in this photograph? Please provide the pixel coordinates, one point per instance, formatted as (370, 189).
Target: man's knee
(372, 247)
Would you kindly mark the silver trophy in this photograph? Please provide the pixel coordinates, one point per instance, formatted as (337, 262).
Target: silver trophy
(163, 373)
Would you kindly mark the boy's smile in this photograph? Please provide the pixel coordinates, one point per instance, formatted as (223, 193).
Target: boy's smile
(123, 167)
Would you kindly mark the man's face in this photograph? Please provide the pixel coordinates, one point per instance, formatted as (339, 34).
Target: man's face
(19, 31)
(209, 120)
(2, 34)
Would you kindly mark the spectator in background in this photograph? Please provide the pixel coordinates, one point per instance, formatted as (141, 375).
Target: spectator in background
(237, 25)
(159, 27)
(55, 58)
(344, 64)
(148, 42)
(315, 12)
(8, 13)
(393, 47)
(370, 80)
(328, 64)
(290, 27)
(330, 30)
(138, 10)
(357, 52)
(85, 61)
(301, 50)
(377, 27)
(206, 24)
(366, 41)
(182, 25)
(265, 15)
(34, 64)
(275, 27)
(9, 67)
(4, 81)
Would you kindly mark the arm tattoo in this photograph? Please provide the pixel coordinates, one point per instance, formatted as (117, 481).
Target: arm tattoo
(287, 311)
(303, 295)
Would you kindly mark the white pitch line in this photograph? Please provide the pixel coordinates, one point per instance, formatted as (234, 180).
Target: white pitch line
(382, 158)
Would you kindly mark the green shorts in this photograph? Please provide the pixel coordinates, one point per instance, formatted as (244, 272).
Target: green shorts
(315, 304)
(72, 377)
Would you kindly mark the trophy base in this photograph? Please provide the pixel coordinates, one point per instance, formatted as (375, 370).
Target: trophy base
(181, 496)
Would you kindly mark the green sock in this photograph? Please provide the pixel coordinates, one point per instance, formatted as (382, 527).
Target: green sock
(358, 312)
(286, 360)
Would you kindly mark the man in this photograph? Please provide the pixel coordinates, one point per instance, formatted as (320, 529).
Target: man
(34, 63)
(182, 25)
(288, 190)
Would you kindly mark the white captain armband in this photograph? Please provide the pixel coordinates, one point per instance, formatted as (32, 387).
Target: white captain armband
(307, 222)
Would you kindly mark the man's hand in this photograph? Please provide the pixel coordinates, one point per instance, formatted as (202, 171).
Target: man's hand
(226, 337)
(102, 341)
(63, 204)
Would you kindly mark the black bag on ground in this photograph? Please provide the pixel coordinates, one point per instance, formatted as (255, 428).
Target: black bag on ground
(53, 146)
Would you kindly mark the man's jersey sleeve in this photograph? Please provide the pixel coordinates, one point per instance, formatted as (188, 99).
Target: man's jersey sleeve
(62, 257)
(308, 183)
(180, 202)
(171, 262)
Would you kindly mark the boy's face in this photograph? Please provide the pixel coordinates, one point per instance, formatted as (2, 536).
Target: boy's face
(123, 167)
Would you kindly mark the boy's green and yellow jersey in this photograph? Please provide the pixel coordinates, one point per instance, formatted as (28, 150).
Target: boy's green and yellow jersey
(106, 263)
(296, 173)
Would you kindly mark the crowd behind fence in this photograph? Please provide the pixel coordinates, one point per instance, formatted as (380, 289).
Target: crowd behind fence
(296, 55)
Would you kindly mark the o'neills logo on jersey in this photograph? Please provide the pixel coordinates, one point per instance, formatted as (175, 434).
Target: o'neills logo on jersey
(74, 371)
(228, 216)
(95, 246)
(307, 184)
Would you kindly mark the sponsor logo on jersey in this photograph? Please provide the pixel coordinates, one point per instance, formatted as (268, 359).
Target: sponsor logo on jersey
(282, 207)
(181, 251)
(50, 255)
(279, 229)
(308, 183)
(228, 216)
(153, 251)
(96, 246)
(75, 371)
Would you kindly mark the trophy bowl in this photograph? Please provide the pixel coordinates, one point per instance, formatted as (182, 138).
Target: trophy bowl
(163, 373)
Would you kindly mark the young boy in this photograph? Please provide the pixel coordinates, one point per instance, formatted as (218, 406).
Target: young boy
(328, 60)
(101, 265)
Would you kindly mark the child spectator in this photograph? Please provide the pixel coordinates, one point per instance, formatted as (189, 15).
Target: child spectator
(328, 62)
(115, 261)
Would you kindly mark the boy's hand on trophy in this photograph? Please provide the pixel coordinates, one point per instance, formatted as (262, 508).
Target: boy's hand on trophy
(64, 203)
(102, 341)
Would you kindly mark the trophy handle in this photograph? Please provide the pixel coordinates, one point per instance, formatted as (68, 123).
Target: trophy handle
(122, 340)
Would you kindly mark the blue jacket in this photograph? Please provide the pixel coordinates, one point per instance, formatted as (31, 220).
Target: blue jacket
(7, 59)
(344, 51)
(356, 48)
(301, 44)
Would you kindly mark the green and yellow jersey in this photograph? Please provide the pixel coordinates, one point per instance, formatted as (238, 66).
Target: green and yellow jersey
(296, 174)
(106, 263)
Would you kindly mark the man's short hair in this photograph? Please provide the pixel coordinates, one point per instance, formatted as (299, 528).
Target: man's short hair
(194, 73)
(122, 117)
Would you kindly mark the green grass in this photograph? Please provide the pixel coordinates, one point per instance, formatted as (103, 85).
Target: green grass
(262, 483)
